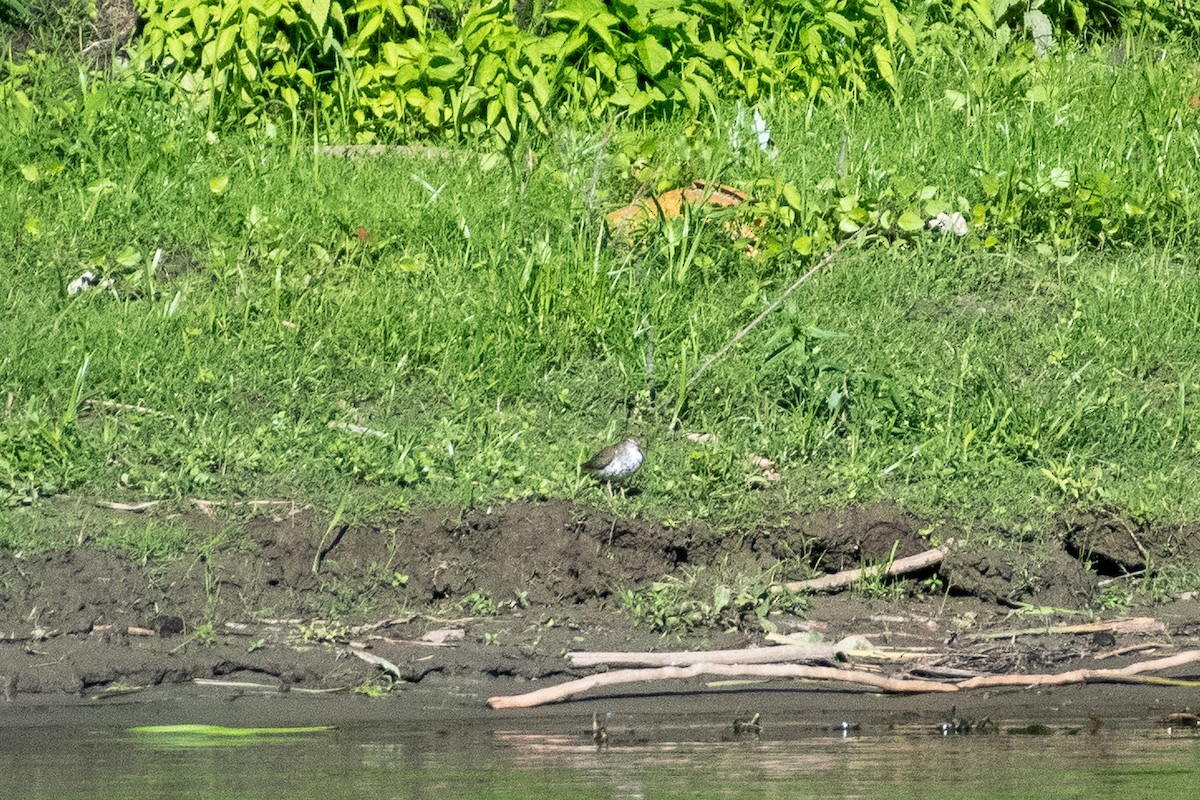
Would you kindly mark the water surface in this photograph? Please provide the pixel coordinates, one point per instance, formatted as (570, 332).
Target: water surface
(698, 760)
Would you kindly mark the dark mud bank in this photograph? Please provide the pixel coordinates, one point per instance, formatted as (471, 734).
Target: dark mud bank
(280, 598)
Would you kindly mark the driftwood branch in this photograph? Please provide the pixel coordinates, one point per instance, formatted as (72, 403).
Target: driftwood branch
(1133, 673)
(839, 579)
(1121, 675)
(554, 694)
(753, 655)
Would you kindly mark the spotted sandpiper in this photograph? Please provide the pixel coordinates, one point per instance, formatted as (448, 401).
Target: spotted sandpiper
(615, 463)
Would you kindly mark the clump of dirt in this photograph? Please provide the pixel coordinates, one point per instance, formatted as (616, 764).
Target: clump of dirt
(275, 593)
(1031, 575)
(1117, 544)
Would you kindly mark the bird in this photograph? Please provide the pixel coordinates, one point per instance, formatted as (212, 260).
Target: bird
(616, 462)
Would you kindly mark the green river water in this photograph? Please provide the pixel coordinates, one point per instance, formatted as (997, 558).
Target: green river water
(376, 760)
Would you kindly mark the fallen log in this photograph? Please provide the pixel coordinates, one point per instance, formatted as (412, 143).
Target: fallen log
(555, 694)
(847, 577)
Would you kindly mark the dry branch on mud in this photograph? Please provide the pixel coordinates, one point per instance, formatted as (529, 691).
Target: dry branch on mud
(849, 577)
(1133, 673)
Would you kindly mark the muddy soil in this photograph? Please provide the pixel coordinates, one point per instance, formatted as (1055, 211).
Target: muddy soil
(464, 605)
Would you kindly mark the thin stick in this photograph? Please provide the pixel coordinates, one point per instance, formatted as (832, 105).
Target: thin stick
(847, 577)
(136, 508)
(824, 262)
(554, 694)
(1120, 625)
(382, 663)
(1133, 648)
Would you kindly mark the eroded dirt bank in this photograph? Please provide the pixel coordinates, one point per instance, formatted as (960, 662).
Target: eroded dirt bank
(279, 598)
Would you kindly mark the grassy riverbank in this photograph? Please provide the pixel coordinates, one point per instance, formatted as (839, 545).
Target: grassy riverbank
(467, 309)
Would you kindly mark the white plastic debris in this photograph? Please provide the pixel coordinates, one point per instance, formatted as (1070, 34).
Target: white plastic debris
(85, 281)
(949, 223)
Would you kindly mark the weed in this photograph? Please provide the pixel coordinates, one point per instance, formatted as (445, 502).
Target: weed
(205, 634)
(323, 631)
(145, 542)
(375, 688)
(479, 603)
(876, 582)
(703, 598)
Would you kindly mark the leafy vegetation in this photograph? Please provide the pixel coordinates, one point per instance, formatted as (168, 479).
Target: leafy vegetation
(703, 598)
(448, 326)
(392, 68)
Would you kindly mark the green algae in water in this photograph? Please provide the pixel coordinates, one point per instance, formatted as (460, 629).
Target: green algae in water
(219, 735)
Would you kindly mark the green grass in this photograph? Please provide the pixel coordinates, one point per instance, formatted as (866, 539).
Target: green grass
(479, 327)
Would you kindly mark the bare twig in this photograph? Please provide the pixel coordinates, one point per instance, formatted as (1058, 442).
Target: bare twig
(824, 262)
(1133, 648)
(1121, 625)
(839, 579)
(754, 655)
(554, 694)
(1132, 673)
(1122, 675)
(136, 508)
(382, 663)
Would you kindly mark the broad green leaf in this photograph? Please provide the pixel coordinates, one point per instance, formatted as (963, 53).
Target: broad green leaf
(225, 40)
(654, 56)
(983, 12)
(250, 33)
(219, 184)
(891, 19)
(606, 64)
(887, 67)
(639, 100)
(508, 94)
(317, 11)
(128, 257)
(31, 173)
(791, 196)
(199, 13)
(175, 49)
(368, 28)
(416, 17)
(910, 221)
(541, 89)
(712, 50)
(691, 93)
(840, 24)
(734, 67)
(489, 67)
(600, 25)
